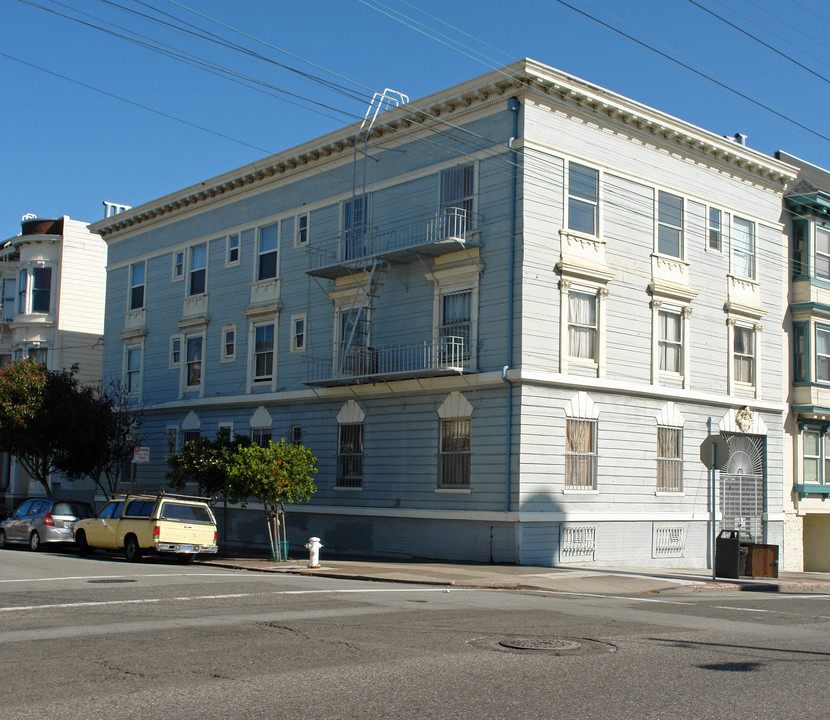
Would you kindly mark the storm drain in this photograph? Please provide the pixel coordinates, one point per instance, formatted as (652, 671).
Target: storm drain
(535, 643)
(111, 580)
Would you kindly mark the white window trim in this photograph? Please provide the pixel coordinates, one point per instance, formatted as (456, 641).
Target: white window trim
(189, 268)
(253, 324)
(684, 209)
(299, 317)
(228, 261)
(138, 393)
(256, 278)
(223, 356)
(177, 277)
(225, 426)
(29, 291)
(566, 286)
(753, 276)
(447, 281)
(732, 384)
(725, 230)
(567, 200)
(131, 286)
(184, 388)
(297, 242)
(170, 362)
(684, 310)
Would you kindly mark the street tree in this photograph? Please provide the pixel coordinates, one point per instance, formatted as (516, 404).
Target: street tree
(205, 463)
(277, 474)
(42, 419)
(111, 431)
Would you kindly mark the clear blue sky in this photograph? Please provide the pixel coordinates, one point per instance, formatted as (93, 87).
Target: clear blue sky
(67, 147)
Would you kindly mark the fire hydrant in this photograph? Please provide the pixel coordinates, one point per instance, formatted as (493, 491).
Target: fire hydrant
(313, 546)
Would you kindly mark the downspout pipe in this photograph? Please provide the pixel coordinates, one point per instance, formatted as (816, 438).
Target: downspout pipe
(513, 106)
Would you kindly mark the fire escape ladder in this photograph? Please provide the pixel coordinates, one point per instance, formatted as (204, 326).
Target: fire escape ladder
(353, 354)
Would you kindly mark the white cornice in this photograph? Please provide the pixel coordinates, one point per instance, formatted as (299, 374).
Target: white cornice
(522, 78)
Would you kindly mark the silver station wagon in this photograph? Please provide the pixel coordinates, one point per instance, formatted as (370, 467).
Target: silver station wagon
(43, 520)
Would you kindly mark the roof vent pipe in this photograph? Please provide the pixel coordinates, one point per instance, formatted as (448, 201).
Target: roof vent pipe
(740, 138)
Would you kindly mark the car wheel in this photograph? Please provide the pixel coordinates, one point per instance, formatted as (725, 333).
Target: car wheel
(2, 539)
(81, 544)
(131, 549)
(185, 558)
(34, 541)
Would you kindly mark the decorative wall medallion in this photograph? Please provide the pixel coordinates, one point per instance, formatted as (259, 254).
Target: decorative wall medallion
(743, 419)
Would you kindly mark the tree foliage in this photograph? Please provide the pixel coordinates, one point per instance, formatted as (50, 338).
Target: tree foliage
(205, 463)
(280, 473)
(44, 420)
(112, 433)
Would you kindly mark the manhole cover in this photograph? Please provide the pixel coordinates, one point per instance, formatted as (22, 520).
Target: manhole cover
(112, 580)
(536, 643)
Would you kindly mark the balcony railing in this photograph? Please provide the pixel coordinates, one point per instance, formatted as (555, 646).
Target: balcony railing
(353, 248)
(414, 359)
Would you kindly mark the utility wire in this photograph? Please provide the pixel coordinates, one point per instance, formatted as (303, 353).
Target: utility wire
(760, 42)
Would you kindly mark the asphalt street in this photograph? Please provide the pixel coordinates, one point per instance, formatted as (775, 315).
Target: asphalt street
(99, 637)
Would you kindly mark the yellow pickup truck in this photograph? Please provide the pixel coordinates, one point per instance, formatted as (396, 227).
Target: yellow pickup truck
(163, 523)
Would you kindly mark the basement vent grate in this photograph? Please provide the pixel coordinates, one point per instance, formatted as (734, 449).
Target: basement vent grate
(577, 542)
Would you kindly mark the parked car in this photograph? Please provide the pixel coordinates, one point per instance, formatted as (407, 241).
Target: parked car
(43, 520)
(163, 524)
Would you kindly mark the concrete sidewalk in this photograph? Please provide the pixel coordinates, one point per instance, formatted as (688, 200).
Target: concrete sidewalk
(585, 580)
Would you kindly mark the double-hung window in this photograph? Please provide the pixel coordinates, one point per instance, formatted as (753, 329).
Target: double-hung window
(269, 236)
(455, 331)
(137, 271)
(301, 230)
(822, 257)
(232, 249)
(23, 278)
(349, 455)
(815, 457)
(743, 248)
(298, 333)
(669, 459)
(193, 359)
(263, 352)
(41, 289)
(454, 453)
(457, 200)
(743, 354)
(582, 325)
(197, 271)
(178, 265)
(669, 224)
(580, 454)
(823, 354)
(261, 436)
(9, 294)
(175, 351)
(583, 199)
(133, 370)
(715, 229)
(228, 343)
(355, 227)
(670, 342)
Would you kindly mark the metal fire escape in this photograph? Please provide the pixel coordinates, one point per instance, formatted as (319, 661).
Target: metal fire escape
(366, 254)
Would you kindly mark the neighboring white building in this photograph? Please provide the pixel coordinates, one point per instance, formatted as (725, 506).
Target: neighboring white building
(53, 289)
(504, 333)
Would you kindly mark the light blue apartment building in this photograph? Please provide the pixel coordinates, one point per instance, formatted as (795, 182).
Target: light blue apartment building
(504, 317)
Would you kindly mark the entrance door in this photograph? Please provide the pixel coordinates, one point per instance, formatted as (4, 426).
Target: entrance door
(743, 485)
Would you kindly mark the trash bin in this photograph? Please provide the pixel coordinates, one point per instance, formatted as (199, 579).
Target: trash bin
(728, 554)
(761, 560)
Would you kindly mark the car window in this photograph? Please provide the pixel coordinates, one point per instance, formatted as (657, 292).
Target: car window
(23, 509)
(140, 508)
(38, 507)
(76, 509)
(187, 513)
(106, 511)
(116, 512)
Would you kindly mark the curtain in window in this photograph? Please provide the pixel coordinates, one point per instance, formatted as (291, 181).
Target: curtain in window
(454, 469)
(456, 320)
(811, 457)
(580, 454)
(669, 459)
(582, 316)
(822, 355)
(670, 342)
(744, 354)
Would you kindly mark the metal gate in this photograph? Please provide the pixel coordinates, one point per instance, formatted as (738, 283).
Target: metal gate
(743, 485)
